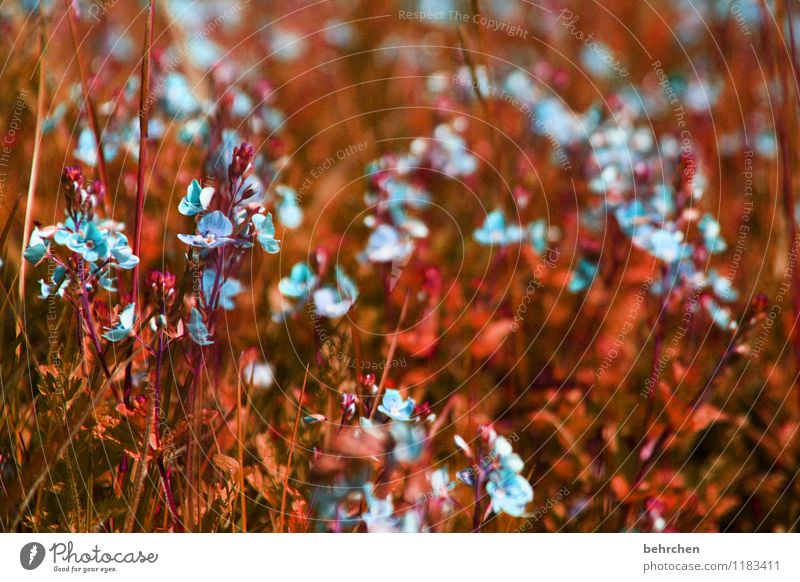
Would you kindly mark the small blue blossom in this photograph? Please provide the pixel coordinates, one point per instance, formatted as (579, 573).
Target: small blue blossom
(299, 283)
(710, 230)
(123, 327)
(57, 285)
(121, 252)
(379, 517)
(90, 242)
(197, 199)
(265, 232)
(386, 245)
(335, 302)
(289, 211)
(213, 231)
(583, 276)
(197, 329)
(393, 406)
(37, 247)
(510, 492)
(409, 439)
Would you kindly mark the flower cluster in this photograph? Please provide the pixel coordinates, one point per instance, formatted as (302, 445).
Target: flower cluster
(84, 252)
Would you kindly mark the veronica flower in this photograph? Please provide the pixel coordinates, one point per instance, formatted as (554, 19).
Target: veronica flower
(213, 231)
(228, 289)
(90, 242)
(57, 285)
(409, 439)
(197, 329)
(177, 98)
(197, 199)
(63, 231)
(335, 303)
(721, 316)
(393, 406)
(289, 210)
(123, 327)
(37, 247)
(386, 245)
(710, 230)
(299, 282)
(265, 232)
(379, 516)
(583, 276)
(122, 253)
(510, 492)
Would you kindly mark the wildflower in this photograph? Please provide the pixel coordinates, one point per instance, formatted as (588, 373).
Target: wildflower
(197, 329)
(213, 231)
(90, 242)
(197, 199)
(57, 285)
(509, 491)
(299, 282)
(379, 516)
(124, 326)
(242, 162)
(582, 276)
(385, 245)
(37, 247)
(409, 441)
(335, 303)
(122, 253)
(265, 232)
(393, 406)
(289, 210)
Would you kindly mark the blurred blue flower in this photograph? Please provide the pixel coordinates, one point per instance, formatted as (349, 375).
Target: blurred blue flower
(393, 406)
(265, 231)
(386, 245)
(710, 230)
(583, 276)
(197, 329)
(197, 199)
(57, 285)
(123, 327)
(299, 282)
(37, 247)
(510, 492)
(213, 230)
(122, 252)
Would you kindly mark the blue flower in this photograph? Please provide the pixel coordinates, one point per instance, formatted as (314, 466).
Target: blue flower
(123, 327)
(409, 441)
(177, 98)
(122, 252)
(86, 151)
(197, 329)
(37, 247)
(197, 199)
(265, 231)
(583, 276)
(91, 243)
(65, 230)
(386, 245)
(393, 406)
(289, 211)
(710, 230)
(722, 287)
(379, 517)
(335, 303)
(537, 234)
(721, 316)
(57, 285)
(228, 289)
(213, 231)
(510, 492)
(299, 282)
